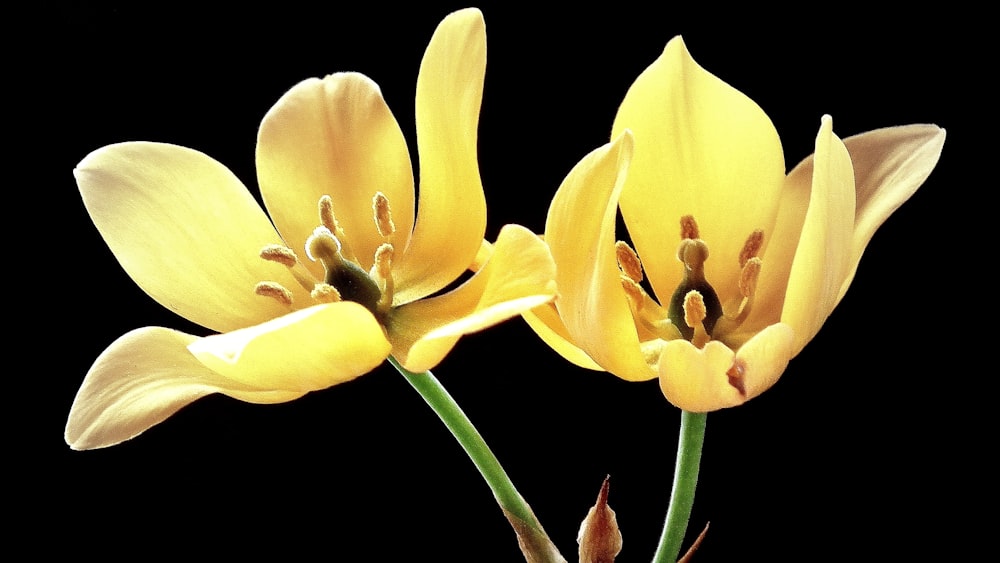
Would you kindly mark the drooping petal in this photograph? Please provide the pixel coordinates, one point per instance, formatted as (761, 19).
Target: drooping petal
(518, 276)
(580, 230)
(549, 327)
(452, 210)
(186, 230)
(702, 148)
(889, 165)
(823, 255)
(336, 137)
(307, 350)
(714, 377)
(140, 380)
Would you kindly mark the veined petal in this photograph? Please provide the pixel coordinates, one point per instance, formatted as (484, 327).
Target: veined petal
(307, 350)
(580, 230)
(186, 230)
(889, 165)
(714, 377)
(823, 257)
(451, 215)
(517, 277)
(545, 321)
(336, 137)
(703, 148)
(140, 380)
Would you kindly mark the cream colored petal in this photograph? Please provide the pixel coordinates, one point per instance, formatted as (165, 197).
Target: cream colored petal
(336, 137)
(714, 377)
(889, 165)
(140, 380)
(518, 277)
(307, 350)
(702, 148)
(186, 230)
(452, 210)
(549, 327)
(580, 230)
(823, 256)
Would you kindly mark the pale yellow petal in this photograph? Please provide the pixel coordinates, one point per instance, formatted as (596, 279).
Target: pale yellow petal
(823, 256)
(580, 229)
(303, 351)
(518, 276)
(549, 327)
(889, 165)
(140, 380)
(714, 377)
(336, 137)
(186, 230)
(702, 148)
(452, 210)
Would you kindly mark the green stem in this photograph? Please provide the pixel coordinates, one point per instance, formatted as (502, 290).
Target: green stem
(689, 445)
(530, 534)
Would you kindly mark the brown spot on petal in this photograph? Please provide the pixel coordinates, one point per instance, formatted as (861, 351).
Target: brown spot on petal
(735, 375)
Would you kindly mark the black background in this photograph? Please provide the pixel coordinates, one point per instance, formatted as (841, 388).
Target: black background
(866, 449)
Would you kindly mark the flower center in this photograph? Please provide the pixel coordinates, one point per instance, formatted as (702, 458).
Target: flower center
(344, 278)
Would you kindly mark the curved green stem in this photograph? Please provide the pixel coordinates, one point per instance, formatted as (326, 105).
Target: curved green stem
(534, 542)
(689, 445)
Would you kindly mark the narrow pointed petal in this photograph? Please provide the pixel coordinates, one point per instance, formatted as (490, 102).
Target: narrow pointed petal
(714, 377)
(142, 379)
(452, 207)
(307, 350)
(336, 137)
(186, 230)
(889, 165)
(702, 148)
(823, 257)
(518, 276)
(549, 327)
(580, 230)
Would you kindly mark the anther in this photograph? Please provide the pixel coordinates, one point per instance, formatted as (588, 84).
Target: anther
(383, 216)
(275, 291)
(694, 317)
(634, 292)
(326, 216)
(751, 247)
(689, 228)
(325, 293)
(749, 275)
(628, 261)
(383, 261)
(280, 254)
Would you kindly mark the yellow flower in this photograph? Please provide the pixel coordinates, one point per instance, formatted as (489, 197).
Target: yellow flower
(694, 156)
(335, 175)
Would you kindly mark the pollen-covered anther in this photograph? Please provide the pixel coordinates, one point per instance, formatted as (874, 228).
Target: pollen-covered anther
(695, 312)
(634, 292)
(383, 215)
(628, 261)
(280, 254)
(325, 293)
(329, 220)
(275, 291)
(689, 227)
(749, 275)
(381, 272)
(751, 247)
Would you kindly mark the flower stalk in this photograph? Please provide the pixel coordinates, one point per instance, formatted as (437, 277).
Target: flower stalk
(534, 542)
(689, 446)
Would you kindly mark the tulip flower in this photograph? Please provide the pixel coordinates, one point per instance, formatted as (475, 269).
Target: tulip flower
(351, 271)
(735, 264)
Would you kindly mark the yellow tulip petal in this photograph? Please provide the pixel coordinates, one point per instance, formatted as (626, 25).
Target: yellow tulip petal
(549, 327)
(580, 230)
(140, 380)
(714, 377)
(518, 276)
(303, 351)
(702, 148)
(889, 165)
(336, 137)
(823, 258)
(186, 230)
(452, 207)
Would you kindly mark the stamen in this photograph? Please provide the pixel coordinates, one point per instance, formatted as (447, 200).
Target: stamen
(280, 254)
(689, 228)
(325, 293)
(749, 275)
(634, 292)
(628, 261)
(329, 220)
(382, 273)
(695, 313)
(275, 291)
(751, 247)
(647, 313)
(383, 216)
